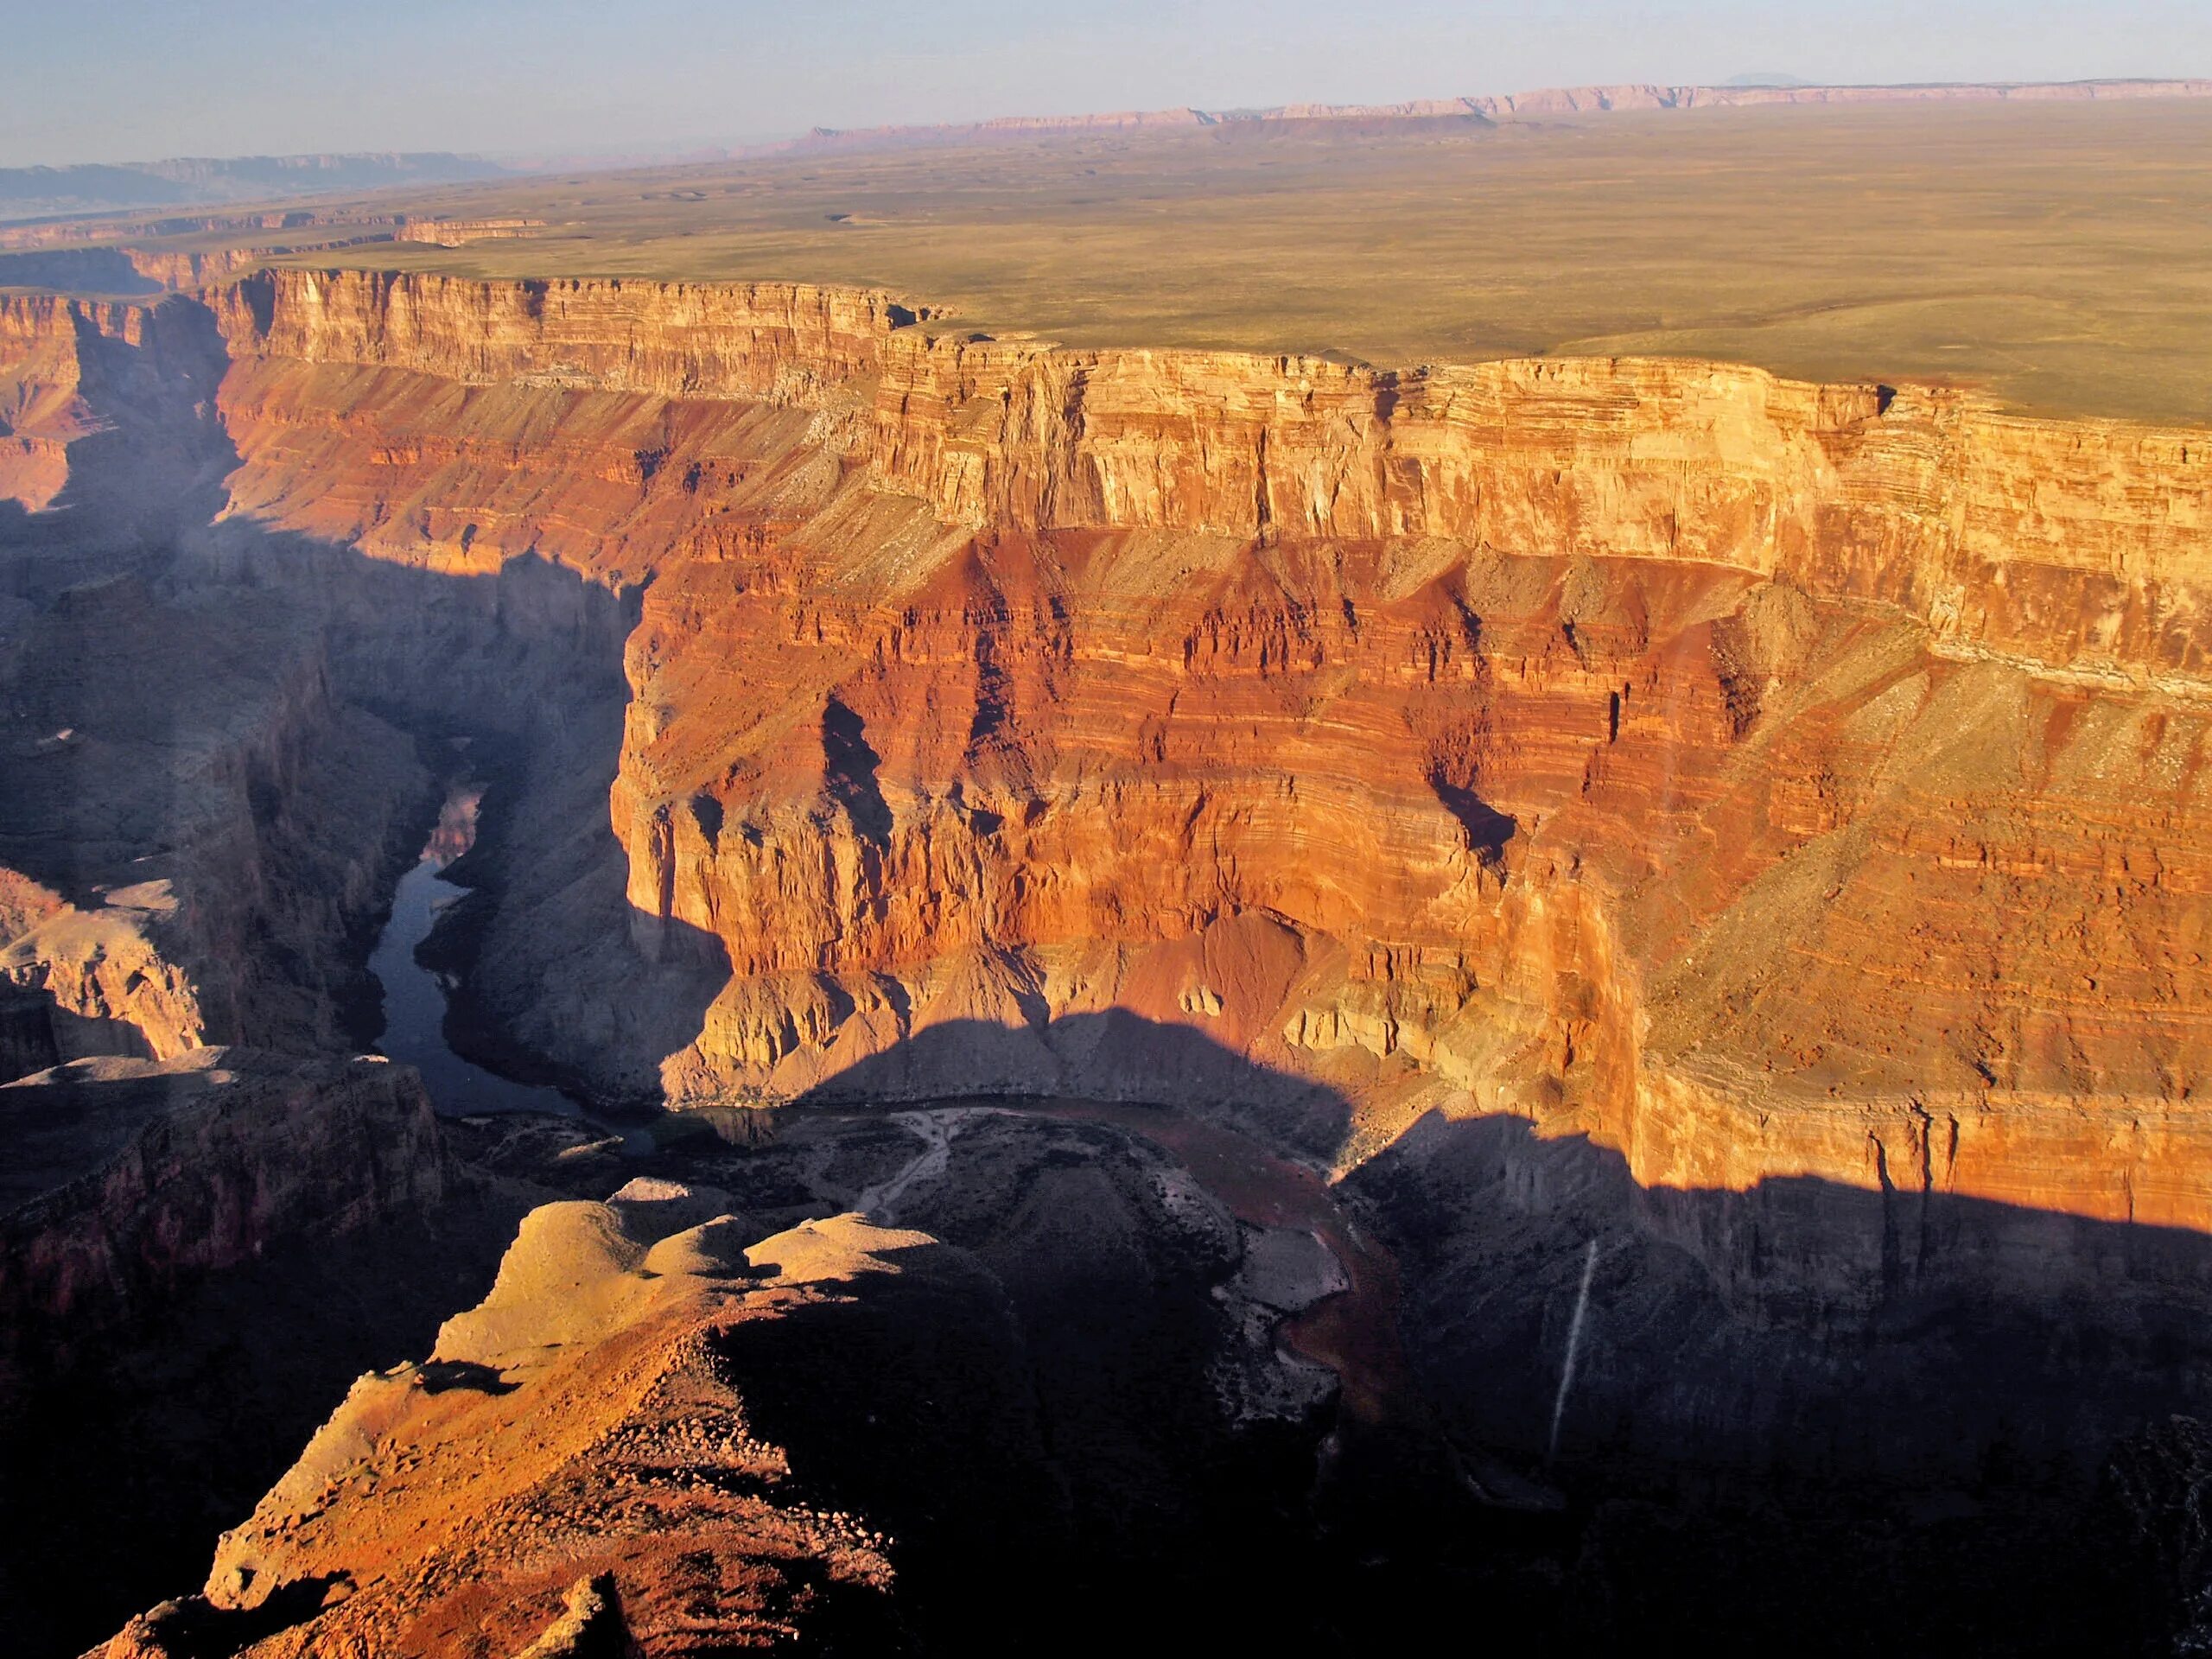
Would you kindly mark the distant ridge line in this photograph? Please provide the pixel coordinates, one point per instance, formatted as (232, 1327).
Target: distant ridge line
(1501, 108)
(86, 188)
(83, 190)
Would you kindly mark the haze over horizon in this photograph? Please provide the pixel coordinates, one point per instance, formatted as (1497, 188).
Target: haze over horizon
(132, 80)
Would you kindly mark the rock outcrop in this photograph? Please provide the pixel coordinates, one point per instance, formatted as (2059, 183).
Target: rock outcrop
(584, 1457)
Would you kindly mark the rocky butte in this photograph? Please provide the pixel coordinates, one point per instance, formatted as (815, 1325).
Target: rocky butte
(1764, 828)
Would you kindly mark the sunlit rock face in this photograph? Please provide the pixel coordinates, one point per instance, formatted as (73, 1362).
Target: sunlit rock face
(1762, 778)
(595, 1419)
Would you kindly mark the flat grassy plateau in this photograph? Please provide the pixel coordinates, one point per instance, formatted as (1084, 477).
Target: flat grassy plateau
(2058, 256)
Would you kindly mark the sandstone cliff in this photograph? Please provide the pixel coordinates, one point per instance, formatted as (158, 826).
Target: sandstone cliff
(1581, 739)
(1580, 733)
(1755, 827)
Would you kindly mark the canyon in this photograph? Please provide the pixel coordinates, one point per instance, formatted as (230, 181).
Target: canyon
(1741, 836)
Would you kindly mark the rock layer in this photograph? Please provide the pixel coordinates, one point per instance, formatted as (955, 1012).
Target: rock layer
(1582, 737)
(1754, 826)
(1766, 778)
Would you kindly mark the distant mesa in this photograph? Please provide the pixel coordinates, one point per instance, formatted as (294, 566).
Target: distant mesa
(451, 232)
(41, 193)
(1751, 89)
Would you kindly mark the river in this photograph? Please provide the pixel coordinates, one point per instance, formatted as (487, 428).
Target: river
(414, 997)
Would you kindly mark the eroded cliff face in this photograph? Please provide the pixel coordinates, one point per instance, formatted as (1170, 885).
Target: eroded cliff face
(1921, 498)
(106, 411)
(1765, 778)
(1757, 826)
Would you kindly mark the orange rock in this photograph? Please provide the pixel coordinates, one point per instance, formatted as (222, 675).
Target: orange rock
(581, 1454)
(1755, 775)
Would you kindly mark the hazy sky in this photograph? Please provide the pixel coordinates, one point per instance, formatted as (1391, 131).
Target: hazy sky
(135, 79)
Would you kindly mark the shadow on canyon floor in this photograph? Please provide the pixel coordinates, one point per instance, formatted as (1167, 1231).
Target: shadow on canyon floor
(1808, 1413)
(1802, 1323)
(137, 626)
(1113, 1054)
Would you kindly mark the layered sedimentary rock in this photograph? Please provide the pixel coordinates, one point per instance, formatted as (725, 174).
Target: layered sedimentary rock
(767, 340)
(1585, 738)
(114, 401)
(42, 415)
(1755, 827)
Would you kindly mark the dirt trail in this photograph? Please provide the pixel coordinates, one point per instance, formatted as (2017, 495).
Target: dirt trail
(938, 1130)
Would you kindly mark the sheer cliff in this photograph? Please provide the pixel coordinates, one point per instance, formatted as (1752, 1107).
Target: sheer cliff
(1766, 778)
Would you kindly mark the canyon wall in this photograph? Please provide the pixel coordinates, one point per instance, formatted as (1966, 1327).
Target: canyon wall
(131, 1178)
(198, 832)
(1766, 780)
(1749, 773)
(107, 412)
(1757, 826)
(1927, 499)
(199, 828)
(773, 342)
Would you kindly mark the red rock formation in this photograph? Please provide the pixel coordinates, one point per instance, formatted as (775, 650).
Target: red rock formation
(1764, 778)
(775, 342)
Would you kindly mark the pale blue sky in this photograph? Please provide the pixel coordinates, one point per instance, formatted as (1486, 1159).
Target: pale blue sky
(134, 79)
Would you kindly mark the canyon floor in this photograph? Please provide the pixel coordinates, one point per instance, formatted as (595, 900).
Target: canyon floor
(697, 960)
